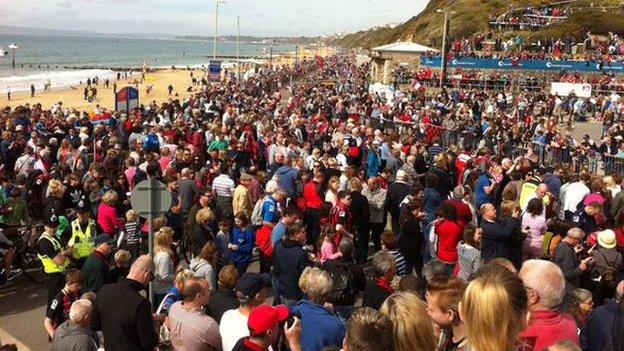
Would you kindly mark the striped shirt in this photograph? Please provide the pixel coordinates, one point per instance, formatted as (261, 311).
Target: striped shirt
(223, 185)
(401, 265)
(133, 235)
(193, 330)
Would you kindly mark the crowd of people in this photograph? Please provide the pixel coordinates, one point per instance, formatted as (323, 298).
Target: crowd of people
(529, 18)
(320, 216)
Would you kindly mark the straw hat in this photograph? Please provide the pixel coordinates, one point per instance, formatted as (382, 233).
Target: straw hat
(606, 239)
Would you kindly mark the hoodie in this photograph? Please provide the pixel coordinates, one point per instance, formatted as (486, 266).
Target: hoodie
(203, 269)
(287, 179)
(71, 337)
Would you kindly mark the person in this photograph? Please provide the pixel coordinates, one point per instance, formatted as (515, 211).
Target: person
(223, 188)
(202, 231)
(348, 279)
(607, 264)
(443, 297)
(263, 324)
(53, 256)
(412, 327)
(534, 224)
(449, 232)
(599, 331)
(545, 286)
(270, 216)
(328, 249)
(223, 297)
(369, 330)
(313, 203)
(360, 211)
(319, 326)
(377, 290)
(494, 309)
(163, 261)
(565, 257)
(107, 214)
(59, 309)
(242, 243)
(290, 261)
(241, 201)
(279, 231)
(585, 216)
(395, 195)
(133, 234)
(97, 269)
(376, 197)
(496, 233)
(32, 90)
(75, 333)
(190, 328)
(341, 218)
(123, 314)
(582, 306)
(250, 290)
(390, 243)
(175, 293)
(469, 252)
(204, 265)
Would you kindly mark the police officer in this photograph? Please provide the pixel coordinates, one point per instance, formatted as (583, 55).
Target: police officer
(83, 228)
(54, 257)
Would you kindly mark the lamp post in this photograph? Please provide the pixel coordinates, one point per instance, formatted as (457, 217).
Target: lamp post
(443, 61)
(216, 25)
(13, 49)
(238, 49)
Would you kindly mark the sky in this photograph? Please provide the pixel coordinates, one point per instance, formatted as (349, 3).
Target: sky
(196, 17)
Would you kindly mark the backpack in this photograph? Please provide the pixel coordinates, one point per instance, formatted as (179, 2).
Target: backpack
(344, 290)
(610, 275)
(256, 214)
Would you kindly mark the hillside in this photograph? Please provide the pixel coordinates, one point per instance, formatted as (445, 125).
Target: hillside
(472, 17)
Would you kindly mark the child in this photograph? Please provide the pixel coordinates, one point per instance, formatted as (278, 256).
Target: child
(390, 243)
(58, 310)
(328, 250)
(133, 234)
(222, 240)
(242, 243)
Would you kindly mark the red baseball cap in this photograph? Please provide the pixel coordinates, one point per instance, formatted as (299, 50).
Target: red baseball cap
(264, 317)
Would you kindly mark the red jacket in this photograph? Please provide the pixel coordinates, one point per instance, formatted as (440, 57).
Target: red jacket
(464, 215)
(548, 328)
(449, 235)
(311, 196)
(263, 240)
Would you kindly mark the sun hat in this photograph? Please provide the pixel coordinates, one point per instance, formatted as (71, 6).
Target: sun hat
(606, 239)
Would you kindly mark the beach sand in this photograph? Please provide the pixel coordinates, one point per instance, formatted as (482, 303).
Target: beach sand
(180, 79)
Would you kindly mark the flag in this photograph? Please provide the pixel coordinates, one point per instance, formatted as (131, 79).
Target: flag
(319, 60)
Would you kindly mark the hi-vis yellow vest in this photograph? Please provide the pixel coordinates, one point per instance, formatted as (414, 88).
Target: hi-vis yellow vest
(81, 241)
(49, 266)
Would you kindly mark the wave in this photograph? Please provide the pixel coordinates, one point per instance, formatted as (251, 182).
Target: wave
(58, 79)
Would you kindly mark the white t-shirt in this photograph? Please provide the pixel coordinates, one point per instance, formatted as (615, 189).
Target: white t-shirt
(233, 326)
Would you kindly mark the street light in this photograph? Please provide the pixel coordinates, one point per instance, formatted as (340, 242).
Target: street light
(443, 61)
(214, 43)
(238, 49)
(13, 49)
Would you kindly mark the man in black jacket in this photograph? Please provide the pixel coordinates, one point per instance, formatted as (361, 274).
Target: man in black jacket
(565, 257)
(496, 233)
(290, 261)
(361, 213)
(123, 314)
(397, 192)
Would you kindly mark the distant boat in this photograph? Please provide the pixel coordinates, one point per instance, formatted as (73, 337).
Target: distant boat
(13, 47)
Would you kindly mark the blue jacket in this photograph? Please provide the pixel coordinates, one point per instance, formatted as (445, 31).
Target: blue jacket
(480, 196)
(287, 178)
(319, 327)
(372, 168)
(597, 334)
(245, 239)
(431, 201)
(290, 261)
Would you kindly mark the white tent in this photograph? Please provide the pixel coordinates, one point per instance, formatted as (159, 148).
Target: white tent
(404, 47)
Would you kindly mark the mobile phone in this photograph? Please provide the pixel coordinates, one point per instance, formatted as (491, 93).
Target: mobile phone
(291, 319)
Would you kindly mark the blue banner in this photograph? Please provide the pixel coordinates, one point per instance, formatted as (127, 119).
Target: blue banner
(214, 69)
(525, 65)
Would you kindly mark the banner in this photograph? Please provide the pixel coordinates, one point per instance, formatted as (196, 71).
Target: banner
(525, 65)
(215, 70)
(127, 99)
(565, 89)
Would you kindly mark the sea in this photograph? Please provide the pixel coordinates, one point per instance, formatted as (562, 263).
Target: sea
(68, 60)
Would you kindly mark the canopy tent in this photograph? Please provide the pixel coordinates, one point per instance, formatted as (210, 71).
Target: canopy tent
(404, 47)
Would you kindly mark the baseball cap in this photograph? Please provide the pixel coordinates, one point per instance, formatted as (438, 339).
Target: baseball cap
(51, 220)
(264, 317)
(102, 239)
(249, 284)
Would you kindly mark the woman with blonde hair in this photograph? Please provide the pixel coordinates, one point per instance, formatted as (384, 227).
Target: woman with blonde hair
(333, 186)
(107, 217)
(175, 293)
(611, 185)
(494, 308)
(203, 232)
(411, 323)
(164, 273)
(204, 265)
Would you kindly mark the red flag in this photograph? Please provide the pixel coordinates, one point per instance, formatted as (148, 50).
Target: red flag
(319, 60)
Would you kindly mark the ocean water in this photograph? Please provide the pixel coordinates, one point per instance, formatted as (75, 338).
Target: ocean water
(66, 60)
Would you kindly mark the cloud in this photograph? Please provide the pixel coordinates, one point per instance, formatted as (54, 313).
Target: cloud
(258, 17)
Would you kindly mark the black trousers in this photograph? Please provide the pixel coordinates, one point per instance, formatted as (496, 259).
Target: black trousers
(313, 225)
(376, 230)
(54, 284)
(361, 246)
(265, 264)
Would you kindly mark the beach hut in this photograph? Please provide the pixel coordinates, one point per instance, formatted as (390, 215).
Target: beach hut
(386, 57)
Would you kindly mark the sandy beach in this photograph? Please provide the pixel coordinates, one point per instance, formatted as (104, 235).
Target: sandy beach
(160, 80)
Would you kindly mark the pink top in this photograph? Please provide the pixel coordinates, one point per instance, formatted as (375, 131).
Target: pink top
(107, 219)
(130, 173)
(164, 162)
(537, 228)
(327, 252)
